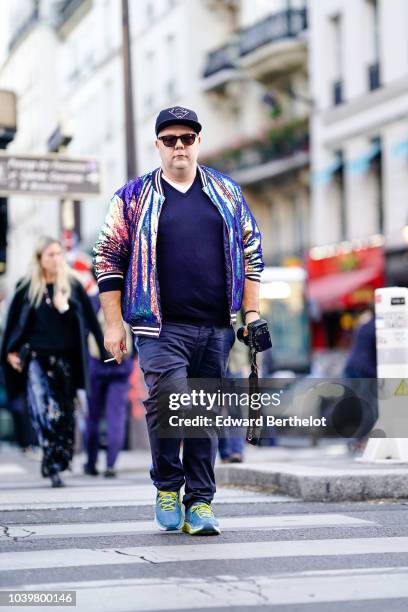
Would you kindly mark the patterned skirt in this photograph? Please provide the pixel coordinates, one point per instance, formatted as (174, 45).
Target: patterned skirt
(51, 399)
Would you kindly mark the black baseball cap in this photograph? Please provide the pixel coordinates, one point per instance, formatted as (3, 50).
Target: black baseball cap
(177, 115)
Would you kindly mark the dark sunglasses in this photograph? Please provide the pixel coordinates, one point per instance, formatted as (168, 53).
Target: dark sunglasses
(170, 140)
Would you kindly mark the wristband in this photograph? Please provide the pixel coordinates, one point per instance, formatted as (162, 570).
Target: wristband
(248, 311)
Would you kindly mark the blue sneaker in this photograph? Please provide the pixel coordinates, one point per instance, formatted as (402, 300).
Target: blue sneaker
(200, 520)
(168, 511)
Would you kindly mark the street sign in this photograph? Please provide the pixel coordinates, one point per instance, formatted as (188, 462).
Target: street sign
(51, 175)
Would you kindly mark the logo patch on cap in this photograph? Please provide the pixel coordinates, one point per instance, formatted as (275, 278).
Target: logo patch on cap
(179, 112)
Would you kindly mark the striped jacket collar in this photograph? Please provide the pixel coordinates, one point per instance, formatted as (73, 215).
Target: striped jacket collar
(158, 184)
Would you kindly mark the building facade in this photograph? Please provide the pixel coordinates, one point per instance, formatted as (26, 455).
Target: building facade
(242, 64)
(258, 72)
(359, 127)
(63, 60)
(91, 100)
(29, 69)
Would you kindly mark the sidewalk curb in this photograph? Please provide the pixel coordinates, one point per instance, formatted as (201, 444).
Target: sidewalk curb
(359, 486)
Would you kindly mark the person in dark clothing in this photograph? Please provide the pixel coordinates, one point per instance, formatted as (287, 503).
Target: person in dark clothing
(25, 435)
(178, 255)
(109, 397)
(362, 361)
(48, 321)
(355, 415)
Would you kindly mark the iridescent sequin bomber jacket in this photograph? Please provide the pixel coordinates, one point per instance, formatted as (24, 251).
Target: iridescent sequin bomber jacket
(125, 252)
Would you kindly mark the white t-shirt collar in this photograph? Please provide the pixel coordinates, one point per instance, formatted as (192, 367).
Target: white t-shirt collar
(183, 187)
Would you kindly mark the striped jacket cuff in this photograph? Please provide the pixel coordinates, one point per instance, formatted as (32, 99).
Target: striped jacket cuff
(255, 276)
(110, 281)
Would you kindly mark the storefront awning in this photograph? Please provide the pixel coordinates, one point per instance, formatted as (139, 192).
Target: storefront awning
(362, 164)
(335, 290)
(325, 176)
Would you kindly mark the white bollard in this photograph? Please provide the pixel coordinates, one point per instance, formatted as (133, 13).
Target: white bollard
(391, 323)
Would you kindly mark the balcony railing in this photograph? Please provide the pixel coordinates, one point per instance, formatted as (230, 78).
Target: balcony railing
(224, 57)
(286, 24)
(66, 9)
(374, 79)
(338, 93)
(69, 13)
(282, 142)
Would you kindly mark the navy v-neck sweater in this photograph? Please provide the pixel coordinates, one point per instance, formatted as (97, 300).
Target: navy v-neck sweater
(190, 258)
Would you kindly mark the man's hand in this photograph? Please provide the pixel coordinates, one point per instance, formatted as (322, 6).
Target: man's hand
(251, 317)
(115, 341)
(14, 361)
(115, 335)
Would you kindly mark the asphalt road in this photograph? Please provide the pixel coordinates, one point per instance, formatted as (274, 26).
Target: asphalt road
(97, 537)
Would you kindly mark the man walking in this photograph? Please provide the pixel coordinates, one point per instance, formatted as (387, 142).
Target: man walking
(177, 257)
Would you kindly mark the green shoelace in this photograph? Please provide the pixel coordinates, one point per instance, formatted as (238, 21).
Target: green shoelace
(168, 500)
(203, 510)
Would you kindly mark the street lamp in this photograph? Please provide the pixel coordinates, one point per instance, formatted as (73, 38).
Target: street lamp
(131, 158)
(8, 128)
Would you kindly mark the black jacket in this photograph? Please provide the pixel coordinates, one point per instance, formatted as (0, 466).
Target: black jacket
(16, 329)
(362, 360)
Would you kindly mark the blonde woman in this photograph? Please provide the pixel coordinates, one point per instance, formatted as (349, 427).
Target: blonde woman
(44, 351)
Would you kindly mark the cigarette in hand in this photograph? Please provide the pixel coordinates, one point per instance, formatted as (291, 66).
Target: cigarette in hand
(108, 360)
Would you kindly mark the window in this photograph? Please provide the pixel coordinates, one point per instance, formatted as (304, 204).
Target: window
(374, 80)
(149, 73)
(107, 19)
(337, 34)
(340, 186)
(171, 51)
(109, 115)
(300, 223)
(171, 89)
(149, 11)
(374, 29)
(171, 60)
(337, 37)
(275, 225)
(296, 4)
(376, 167)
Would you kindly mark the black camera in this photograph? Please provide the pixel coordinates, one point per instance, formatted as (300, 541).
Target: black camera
(258, 337)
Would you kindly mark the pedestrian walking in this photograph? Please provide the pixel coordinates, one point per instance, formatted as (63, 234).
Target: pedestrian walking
(25, 435)
(44, 351)
(362, 360)
(179, 253)
(108, 398)
(361, 369)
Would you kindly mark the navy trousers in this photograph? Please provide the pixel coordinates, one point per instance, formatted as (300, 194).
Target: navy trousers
(109, 396)
(180, 352)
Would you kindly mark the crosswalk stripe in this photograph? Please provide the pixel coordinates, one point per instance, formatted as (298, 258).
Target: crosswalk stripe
(201, 552)
(276, 590)
(128, 502)
(11, 468)
(95, 497)
(22, 487)
(289, 521)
